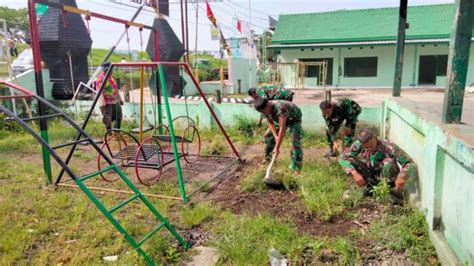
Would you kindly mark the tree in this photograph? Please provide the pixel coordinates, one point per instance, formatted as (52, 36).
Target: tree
(16, 18)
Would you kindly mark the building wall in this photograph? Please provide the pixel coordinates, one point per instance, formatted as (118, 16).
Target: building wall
(385, 64)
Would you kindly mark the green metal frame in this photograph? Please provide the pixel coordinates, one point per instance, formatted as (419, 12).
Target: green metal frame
(171, 129)
(80, 180)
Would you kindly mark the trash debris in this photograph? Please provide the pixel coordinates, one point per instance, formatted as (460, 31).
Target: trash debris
(276, 258)
(70, 241)
(30, 230)
(110, 258)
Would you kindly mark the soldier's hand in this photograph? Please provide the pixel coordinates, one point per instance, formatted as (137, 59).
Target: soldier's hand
(358, 178)
(276, 152)
(347, 131)
(400, 182)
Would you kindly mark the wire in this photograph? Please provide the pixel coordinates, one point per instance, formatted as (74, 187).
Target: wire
(253, 9)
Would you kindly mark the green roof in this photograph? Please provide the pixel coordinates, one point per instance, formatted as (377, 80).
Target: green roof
(426, 22)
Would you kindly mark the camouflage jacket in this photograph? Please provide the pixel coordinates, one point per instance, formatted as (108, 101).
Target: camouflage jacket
(345, 109)
(374, 161)
(272, 92)
(290, 110)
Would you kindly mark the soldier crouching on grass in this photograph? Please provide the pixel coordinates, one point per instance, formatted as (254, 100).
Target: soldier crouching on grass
(280, 116)
(370, 159)
(334, 114)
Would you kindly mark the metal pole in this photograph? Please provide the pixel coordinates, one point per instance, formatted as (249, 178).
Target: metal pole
(173, 138)
(250, 36)
(197, 27)
(112, 49)
(402, 24)
(9, 63)
(183, 37)
(39, 87)
(187, 30)
(458, 61)
(156, 58)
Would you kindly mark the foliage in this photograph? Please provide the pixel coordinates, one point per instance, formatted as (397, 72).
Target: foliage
(325, 189)
(198, 213)
(16, 17)
(404, 229)
(245, 240)
(381, 192)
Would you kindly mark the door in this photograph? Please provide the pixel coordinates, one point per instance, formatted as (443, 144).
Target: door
(427, 70)
(314, 71)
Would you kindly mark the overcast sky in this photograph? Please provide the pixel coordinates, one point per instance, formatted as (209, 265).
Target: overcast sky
(105, 33)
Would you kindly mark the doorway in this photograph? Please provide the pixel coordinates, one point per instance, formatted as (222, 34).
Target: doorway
(430, 67)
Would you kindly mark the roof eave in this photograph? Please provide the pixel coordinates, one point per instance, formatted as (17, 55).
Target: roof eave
(357, 43)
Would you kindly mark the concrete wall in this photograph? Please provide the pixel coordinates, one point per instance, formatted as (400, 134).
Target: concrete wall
(444, 156)
(27, 80)
(312, 119)
(386, 63)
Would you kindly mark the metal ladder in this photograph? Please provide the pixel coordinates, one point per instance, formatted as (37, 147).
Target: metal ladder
(82, 137)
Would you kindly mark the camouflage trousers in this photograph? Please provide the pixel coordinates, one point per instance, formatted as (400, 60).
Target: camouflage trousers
(347, 140)
(387, 169)
(296, 150)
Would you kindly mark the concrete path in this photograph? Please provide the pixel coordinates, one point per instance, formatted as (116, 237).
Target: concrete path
(206, 256)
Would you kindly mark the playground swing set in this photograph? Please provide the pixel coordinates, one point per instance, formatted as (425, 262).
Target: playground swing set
(148, 153)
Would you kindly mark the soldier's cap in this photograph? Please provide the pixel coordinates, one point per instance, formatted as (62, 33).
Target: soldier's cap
(365, 135)
(325, 105)
(260, 103)
(252, 91)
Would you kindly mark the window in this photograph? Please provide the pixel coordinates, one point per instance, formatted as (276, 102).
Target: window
(360, 67)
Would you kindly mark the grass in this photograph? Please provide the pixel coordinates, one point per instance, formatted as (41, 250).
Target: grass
(245, 240)
(40, 225)
(197, 214)
(404, 229)
(326, 190)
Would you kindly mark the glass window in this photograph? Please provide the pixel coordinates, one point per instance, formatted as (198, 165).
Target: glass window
(360, 67)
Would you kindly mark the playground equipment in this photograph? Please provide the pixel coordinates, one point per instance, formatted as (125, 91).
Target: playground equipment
(149, 150)
(80, 179)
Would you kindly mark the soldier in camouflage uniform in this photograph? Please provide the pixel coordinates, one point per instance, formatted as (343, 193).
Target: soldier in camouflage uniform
(370, 159)
(335, 114)
(270, 92)
(280, 116)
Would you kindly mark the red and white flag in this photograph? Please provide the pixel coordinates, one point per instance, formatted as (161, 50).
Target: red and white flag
(239, 25)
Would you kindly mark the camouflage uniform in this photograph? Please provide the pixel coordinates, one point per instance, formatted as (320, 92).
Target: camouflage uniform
(384, 163)
(272, 92)
(293, 122)
(345, 109)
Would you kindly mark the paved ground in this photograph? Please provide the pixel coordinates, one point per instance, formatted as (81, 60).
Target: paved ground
(428, 102)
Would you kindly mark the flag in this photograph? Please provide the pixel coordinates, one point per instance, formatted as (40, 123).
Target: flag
(210, 15)
(239, 26)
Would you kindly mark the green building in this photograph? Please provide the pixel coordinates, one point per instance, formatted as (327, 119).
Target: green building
(359, 47)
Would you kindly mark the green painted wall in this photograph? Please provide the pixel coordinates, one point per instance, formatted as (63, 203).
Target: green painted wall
(312, 119)
(386, 63)
(27, 80)
(444, 156)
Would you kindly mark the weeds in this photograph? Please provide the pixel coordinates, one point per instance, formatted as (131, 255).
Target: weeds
(198, 213)
(245, 240)
(404, 229)
(325, 189)
(381, 192)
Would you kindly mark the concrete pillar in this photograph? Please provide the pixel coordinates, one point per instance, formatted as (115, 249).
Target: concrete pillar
(458, 61)
(402, 23)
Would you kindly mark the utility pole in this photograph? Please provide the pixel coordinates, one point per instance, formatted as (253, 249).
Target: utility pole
(402, 25)
(458, 61)
(249, 44)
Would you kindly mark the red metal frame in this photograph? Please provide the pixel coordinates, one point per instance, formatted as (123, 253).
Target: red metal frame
(18, 88)
(196, 84)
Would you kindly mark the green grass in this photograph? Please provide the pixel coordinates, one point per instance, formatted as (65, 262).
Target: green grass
(326, 190)
(40, 225)
(197, 214)
(245, 240)
(404, 229)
